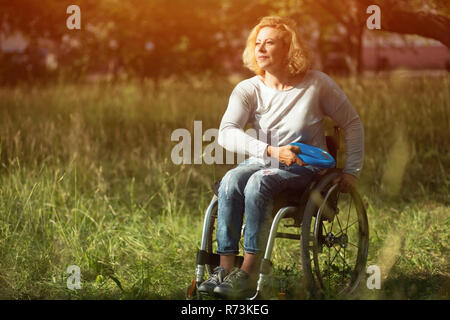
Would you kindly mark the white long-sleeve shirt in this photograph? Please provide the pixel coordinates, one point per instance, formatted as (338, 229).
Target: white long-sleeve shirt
(294, 115)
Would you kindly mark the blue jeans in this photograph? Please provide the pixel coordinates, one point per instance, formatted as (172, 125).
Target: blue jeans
(250, 187)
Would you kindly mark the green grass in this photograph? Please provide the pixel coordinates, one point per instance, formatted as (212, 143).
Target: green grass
(86, 179)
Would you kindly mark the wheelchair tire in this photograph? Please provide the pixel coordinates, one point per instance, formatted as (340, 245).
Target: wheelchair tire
(335, 239)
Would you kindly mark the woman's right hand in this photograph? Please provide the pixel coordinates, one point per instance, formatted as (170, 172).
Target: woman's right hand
(285, 154)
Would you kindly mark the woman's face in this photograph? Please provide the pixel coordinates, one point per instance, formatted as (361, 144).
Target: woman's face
(270, 50)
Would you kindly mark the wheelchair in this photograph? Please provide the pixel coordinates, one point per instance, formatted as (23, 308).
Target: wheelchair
(332, 228)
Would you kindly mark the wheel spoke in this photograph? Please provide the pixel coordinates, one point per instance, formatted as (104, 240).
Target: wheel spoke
(339, 222)
(324, 226)
(343, 259)
(342, 231)
(334, 256)
(348, 242)
(348, 215)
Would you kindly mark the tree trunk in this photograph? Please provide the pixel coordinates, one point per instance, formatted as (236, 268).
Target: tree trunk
(428, 25)
(423, 24)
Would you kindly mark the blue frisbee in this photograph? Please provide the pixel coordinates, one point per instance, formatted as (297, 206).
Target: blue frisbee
(314, 156)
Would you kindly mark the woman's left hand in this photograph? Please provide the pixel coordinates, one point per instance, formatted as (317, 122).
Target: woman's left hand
(347, 182)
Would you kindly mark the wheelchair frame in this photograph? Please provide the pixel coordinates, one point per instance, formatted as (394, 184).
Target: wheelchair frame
(315, 206)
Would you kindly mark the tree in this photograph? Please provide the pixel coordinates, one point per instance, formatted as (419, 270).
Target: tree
(427, 18)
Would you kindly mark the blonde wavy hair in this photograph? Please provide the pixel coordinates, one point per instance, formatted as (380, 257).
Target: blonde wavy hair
(298, 57)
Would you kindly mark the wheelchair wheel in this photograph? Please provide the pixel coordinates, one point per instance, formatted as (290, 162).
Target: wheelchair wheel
(335, 239)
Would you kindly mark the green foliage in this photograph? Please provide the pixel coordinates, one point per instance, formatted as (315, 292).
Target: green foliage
(157, 38)
(145, 38)
(86, 179)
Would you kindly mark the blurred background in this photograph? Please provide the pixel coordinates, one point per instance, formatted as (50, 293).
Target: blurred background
(86, 118)
(156, 38)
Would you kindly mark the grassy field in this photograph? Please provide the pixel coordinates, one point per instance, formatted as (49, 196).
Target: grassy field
(86, 179)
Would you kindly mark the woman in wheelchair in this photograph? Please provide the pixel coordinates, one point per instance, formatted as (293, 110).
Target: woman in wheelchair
(285, 102)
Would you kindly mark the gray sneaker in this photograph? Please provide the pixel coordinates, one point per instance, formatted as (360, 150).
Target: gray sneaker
(236, 285)
(207, 286)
